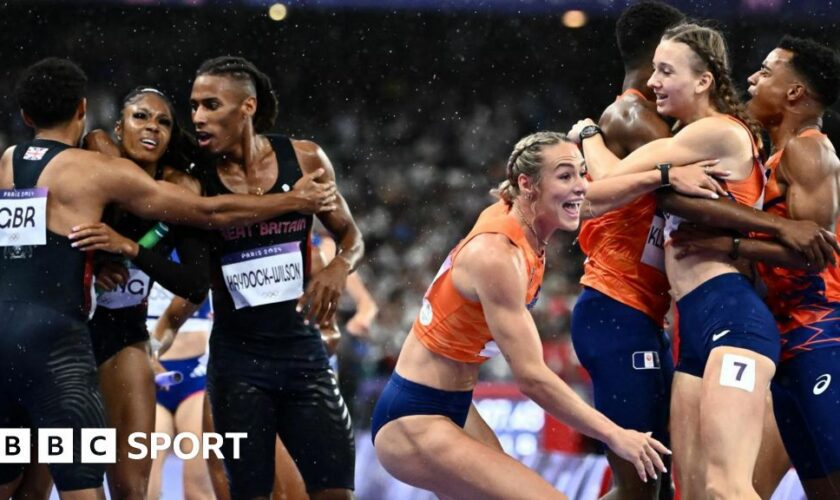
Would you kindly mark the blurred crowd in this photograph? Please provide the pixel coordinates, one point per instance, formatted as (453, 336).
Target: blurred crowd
(418, 113)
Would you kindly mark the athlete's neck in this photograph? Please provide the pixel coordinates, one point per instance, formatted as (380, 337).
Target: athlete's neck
(245, 153)
(536, 232)
(636, 78)
(791, 125)
(65, 135)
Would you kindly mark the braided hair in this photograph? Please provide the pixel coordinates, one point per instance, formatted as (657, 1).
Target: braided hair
(242, 70)
(526, 158)
(709, 48)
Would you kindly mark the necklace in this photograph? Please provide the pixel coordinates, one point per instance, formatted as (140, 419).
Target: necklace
(258, 191)
(542, 243)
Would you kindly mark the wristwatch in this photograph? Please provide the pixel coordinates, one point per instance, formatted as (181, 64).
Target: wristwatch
(664, 168)
(590, 130)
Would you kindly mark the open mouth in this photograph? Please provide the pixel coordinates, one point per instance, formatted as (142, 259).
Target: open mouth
(149, 144)
(203, 138)
(660, 98)
(572, 208)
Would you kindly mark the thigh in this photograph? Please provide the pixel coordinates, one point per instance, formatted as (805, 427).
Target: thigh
(314, 424)
(685, 435)
(773, 462)
(629, 359)
(478, 429)
(239, 406)
(809, 389)
(431, 452)
(732, 409)
(68, 397)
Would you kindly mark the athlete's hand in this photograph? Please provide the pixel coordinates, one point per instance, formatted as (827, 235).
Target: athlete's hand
(641, 450)
(331, 335)
(818, 245)
(692, 239)
(698, 179)
(100, 236)
(574, 133)
(315, 196)
(111, 275)
(359, 325)
(320, 299)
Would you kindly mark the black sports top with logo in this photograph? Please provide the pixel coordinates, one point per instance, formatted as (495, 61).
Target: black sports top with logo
(120, 317)
(260, 271)
(52, 274)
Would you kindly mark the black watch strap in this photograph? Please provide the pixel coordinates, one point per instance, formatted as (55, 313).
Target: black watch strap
(589, 131)
(664, 169)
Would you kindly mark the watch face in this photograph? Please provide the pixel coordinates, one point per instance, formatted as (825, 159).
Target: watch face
(588, 131)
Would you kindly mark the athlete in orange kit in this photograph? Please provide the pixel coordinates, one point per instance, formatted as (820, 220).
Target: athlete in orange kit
(796, 83)
(425, 429)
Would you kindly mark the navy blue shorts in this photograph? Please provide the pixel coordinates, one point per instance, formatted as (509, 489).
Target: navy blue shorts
(724, 311)
(194, 382)
(629, 359)
(806, 401)
(402, 398)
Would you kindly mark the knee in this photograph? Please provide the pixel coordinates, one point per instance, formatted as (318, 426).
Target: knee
(720, 485)
(129, 489)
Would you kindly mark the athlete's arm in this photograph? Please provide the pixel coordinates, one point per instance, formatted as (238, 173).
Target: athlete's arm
(496, 271)
(614, 192)
(816, 245)
(702, 140)
(811, 200)
(125, 184)
(99, 140)
(812, 187)
(690, 240)
(178, 312)
(366, 308)
(321, 296)
(629, 125)
(6, 174)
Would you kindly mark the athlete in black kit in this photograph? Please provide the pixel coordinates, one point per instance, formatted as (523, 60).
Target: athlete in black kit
(268, 372)
(148, 134)
(48, 369)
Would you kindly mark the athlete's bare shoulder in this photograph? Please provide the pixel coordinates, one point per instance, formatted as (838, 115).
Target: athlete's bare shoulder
(182, 179)
(311, 157)
(631, 122)
(6, 177)
(810, 156)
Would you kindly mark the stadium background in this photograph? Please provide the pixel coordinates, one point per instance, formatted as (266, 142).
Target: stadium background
(417, 103)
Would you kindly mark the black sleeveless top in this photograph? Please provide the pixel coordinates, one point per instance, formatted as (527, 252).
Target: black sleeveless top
(263, 329)
(54, 275)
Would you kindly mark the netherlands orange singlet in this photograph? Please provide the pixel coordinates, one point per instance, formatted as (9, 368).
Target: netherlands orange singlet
(454, 327)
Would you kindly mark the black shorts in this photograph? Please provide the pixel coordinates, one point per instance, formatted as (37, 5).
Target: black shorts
(48, 371)
(112, 330)
(302, 405)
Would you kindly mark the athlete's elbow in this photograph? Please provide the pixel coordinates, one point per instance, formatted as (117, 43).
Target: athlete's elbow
(532, 382)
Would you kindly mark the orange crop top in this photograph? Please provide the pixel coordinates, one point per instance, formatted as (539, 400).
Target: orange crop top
(455, 327)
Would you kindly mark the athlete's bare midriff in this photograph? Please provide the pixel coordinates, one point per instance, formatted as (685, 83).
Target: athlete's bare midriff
(690, 272)
(418, 364)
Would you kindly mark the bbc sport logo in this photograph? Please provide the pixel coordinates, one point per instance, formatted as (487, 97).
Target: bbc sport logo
(99, 446)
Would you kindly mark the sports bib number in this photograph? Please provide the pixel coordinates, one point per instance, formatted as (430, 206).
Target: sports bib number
(266, 275)
(129, 294)
(23, 217)
(654, 251)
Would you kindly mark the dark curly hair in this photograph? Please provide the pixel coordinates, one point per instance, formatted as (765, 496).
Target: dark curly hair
(243, 70)
(639, 29)
(182, 148)
(818, 64)
(50, 90)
